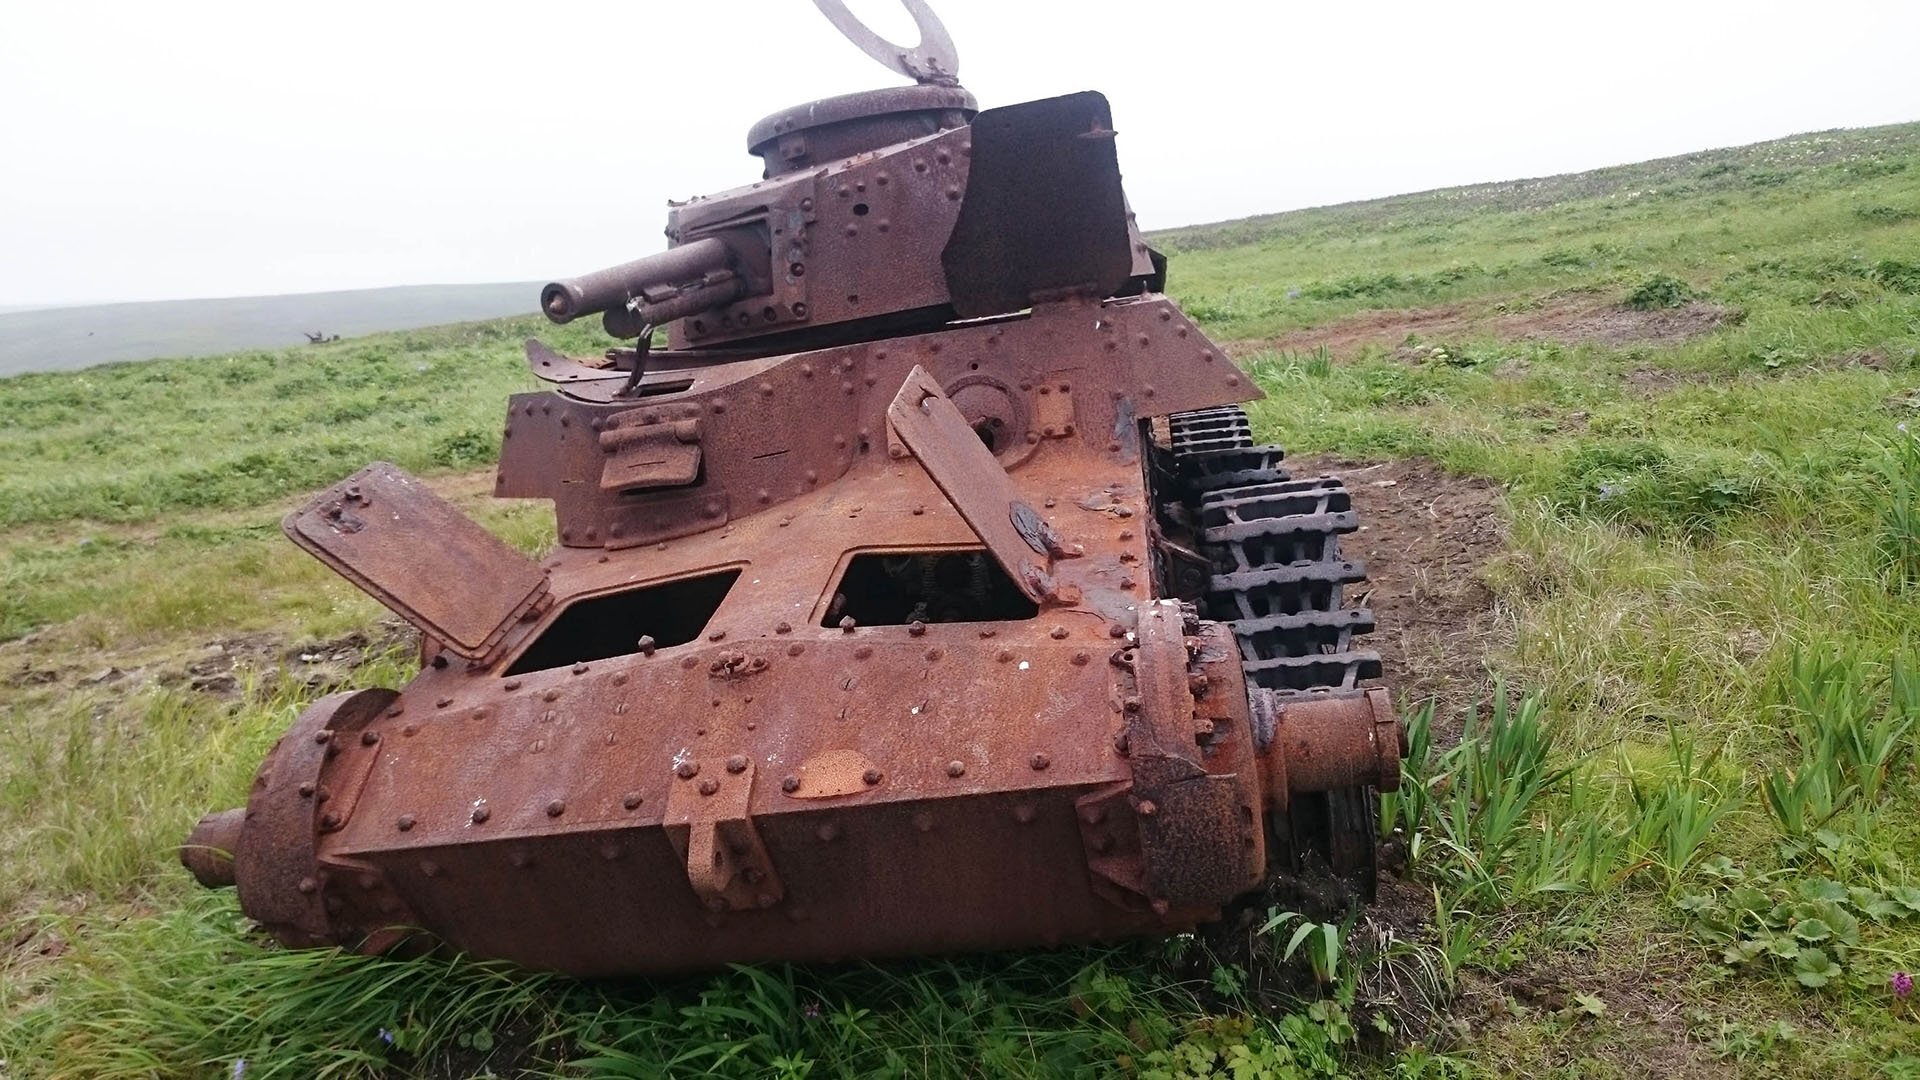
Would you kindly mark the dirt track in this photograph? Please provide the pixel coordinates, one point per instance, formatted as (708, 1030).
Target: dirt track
(1570, 319)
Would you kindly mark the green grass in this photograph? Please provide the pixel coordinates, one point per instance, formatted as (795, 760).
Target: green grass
(1691, 820)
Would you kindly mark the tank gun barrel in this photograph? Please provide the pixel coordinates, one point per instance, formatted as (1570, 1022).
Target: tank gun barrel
(676, 282)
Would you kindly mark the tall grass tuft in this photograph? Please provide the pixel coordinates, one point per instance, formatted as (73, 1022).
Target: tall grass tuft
(1899, 548)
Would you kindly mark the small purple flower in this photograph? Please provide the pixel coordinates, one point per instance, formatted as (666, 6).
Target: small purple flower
(386, 1036)
(811, 1010)
(1902, 984)
(239, 1068)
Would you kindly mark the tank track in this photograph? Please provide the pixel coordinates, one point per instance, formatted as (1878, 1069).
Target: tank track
(1278, 580)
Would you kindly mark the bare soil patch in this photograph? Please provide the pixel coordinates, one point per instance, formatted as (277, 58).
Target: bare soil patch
(1570, 319)
(1632, 1021)
(223, 667)
(1424, 536)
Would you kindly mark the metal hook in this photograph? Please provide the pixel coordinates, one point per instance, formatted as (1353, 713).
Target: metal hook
(934, 60)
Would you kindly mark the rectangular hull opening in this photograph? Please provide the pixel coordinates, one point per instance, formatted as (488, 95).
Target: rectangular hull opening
(598, 627)
(895, 588)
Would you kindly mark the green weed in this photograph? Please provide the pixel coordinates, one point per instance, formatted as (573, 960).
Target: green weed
(1658, 291)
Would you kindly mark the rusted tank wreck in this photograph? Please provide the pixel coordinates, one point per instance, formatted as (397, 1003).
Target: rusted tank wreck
(925, 592)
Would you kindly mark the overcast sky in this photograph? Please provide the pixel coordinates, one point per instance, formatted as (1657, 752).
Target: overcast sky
(170, 150)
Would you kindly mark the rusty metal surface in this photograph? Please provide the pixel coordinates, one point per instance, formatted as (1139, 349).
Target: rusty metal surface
(665, 273)
(944, 444)
(1327, 743)
(208, 852)
(1073, 377)
(296, 803)
(642, 456)
(1198, 803)
(864, 636)
(420, 556)
(1044, 212)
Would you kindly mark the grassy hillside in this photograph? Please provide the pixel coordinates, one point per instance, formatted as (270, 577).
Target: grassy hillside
(77, 336)
(1678, 838)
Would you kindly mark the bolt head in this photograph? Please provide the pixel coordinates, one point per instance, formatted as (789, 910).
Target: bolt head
(404, 823)
(709, 786)
(871, 777)
(481, 814)
(1039, 761)
(632, 801)
(789, 784)
(368, 738)
(687, 770)
(556, 807)
(737, 764)
(956, 768)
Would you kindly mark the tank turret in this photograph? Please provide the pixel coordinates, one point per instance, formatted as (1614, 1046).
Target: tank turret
(926, 591)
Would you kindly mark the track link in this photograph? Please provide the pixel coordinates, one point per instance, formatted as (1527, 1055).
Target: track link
(1278, 580)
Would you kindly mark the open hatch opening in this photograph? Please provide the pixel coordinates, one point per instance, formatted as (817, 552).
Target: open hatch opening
(892, 589)
(598, 627)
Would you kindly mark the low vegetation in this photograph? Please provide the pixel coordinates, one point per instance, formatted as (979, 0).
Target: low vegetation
(1676, 837)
